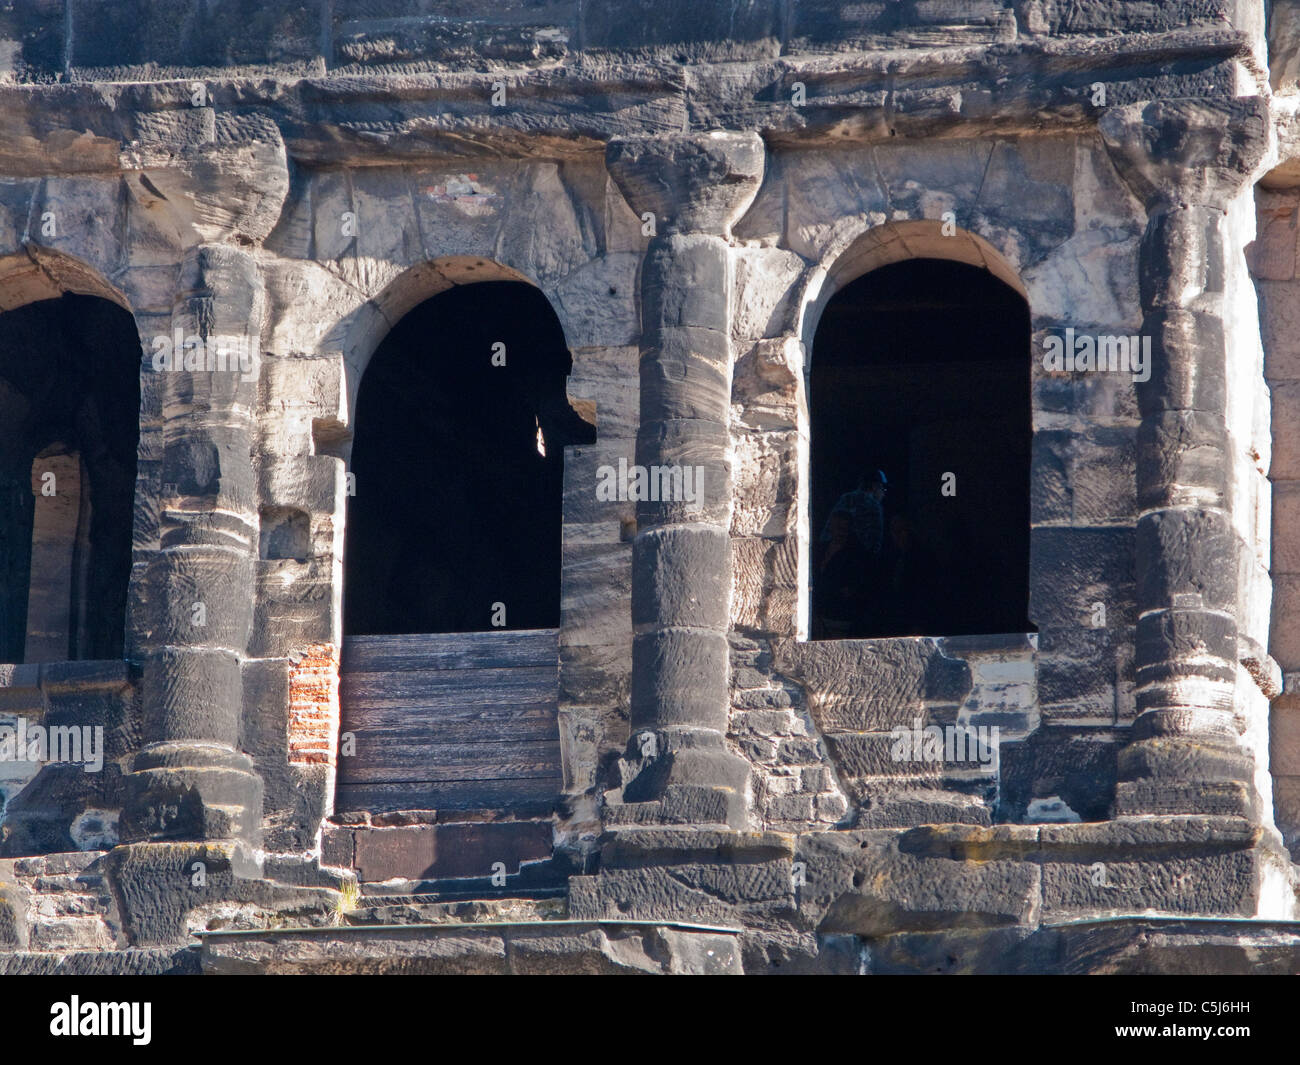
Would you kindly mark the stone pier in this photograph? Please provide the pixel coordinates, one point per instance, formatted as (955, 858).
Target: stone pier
(689, 189)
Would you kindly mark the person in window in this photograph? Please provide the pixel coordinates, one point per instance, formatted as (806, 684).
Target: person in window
(865, 506)
(842, 585)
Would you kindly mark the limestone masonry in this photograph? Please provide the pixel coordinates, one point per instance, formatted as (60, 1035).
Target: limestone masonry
(322, 323)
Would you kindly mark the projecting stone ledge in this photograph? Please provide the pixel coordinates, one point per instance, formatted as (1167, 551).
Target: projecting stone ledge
(984, 890)
(526, 948)
(152, 961)
(1131, 945)
(1152, 946)
(1123, 945)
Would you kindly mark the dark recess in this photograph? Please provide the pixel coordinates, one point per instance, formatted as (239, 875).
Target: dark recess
(455, 509)
(70, 375)
(922, 368)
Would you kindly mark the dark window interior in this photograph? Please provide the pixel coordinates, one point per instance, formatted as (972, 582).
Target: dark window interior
(69, 399)
(921, 369)
(456, 508)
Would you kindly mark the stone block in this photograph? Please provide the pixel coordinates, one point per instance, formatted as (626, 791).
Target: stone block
(1286, 528)
(609, 378)
(765, 585)
(1219, 884)
(1284, 739)
(384, 32)
(596, 301)
(1272, 255)
(681, 577)
(1279, 319)
(1071, 569)
(1284, 640)
(1286, 452)
(873, 685)
(857, 886)
(623, 24)
(1076, 767)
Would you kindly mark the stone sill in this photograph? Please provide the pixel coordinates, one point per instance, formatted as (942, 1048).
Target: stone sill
(990, 643)
(26, 688)
(107, 673)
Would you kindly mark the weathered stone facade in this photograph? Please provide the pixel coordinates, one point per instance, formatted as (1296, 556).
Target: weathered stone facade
(695, 785)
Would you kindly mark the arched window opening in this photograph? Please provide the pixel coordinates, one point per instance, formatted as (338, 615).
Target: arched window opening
(461, 424)
(69, 431)
(919, 393)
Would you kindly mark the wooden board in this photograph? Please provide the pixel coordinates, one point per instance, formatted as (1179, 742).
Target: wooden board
(453, 795)
(460, 650)
(441, 762)
(450, 688)
(461, 721)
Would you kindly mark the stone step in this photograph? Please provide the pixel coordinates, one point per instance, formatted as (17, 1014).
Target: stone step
(443, 852)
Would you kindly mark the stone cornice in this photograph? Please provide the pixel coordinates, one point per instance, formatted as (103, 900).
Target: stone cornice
(1028, 86)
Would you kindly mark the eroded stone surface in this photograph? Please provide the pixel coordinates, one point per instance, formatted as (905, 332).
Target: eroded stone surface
(687, 186)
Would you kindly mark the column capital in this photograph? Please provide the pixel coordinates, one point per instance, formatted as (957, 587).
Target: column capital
(690, 182)
(1184, 152)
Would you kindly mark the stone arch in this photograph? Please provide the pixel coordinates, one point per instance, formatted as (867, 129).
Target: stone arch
(358, 335)
(70, 354)
(857, 248)
(924, 373)
(462, 464)
(38, 273)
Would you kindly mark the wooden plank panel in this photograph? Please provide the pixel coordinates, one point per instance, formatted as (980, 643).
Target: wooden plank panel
(454, 795)
(451, 688)
(449, 761)
(472, 725)
(465, 650)
(454, 721)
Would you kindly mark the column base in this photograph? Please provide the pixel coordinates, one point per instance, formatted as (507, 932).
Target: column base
(188, 791)
(693, 779)
(1180, 775)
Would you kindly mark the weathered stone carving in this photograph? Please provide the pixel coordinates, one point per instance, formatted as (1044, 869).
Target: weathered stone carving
(688, 187)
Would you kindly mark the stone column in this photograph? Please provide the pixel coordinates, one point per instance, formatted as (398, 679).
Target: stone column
(190, 781)
(691, 187)
(1187, 161)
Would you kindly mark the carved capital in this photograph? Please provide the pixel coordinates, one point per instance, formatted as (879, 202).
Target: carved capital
(690, 182)
(1184, 152)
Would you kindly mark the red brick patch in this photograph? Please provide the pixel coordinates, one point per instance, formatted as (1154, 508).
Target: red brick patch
(314, 706)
